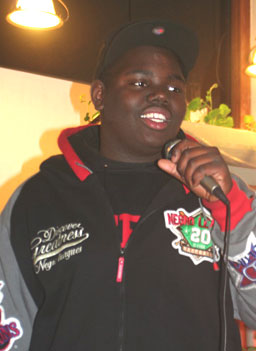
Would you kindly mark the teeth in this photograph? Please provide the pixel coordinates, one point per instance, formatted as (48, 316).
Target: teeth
(155, 117)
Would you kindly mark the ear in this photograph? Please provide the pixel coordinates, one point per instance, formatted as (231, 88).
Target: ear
(97, 94)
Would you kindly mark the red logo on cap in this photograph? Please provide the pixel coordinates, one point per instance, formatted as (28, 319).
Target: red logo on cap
(158, 30)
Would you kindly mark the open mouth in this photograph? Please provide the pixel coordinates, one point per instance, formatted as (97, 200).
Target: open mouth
(155, 117)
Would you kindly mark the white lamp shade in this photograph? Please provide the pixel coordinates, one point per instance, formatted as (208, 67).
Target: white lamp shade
(251, 69)
(35, 14)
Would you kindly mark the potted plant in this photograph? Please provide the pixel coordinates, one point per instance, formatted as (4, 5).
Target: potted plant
(214, 127)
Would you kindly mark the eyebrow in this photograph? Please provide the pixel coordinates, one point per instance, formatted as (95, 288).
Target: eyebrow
(149, 73)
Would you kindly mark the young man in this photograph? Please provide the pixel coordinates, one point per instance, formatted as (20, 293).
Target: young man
(106, 250)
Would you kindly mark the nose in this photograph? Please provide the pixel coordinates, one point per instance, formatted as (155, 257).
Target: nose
(159, 95)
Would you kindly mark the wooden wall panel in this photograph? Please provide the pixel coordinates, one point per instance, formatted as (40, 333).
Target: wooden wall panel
(240, 48)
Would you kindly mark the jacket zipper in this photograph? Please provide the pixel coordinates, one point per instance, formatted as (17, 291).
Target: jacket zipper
(120, 280)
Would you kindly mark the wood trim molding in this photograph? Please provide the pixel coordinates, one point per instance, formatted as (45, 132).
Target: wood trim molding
(240, 48)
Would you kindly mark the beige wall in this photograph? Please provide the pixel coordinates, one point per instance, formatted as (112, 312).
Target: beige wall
(33, 110)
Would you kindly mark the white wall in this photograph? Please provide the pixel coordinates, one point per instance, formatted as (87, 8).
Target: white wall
(33, 110)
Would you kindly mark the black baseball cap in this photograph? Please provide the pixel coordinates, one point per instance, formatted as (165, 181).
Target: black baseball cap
(161, 33)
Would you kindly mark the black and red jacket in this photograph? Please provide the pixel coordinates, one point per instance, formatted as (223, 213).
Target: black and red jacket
(154, 290)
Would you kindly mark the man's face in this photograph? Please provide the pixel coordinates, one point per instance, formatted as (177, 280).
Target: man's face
(142, 105)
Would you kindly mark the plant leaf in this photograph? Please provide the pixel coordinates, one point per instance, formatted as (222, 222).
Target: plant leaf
(95, 115)
(87, 117)
(211, 117)
(224, 110)
(248, 119)
(225, 122)
(187, 115)
(208, 96)
(196, 104)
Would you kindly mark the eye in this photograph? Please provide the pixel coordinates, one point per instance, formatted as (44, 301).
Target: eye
(174, 89)
(140, 84)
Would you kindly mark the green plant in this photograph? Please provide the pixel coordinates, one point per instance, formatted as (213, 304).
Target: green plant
(249, 124)
(89, 117)
(217, 116)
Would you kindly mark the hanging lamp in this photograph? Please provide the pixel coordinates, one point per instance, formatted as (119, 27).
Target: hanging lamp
(251, 69)
(37, 14)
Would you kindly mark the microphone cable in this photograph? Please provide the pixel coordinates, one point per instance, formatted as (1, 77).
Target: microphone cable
(212, 187)
(224, 280)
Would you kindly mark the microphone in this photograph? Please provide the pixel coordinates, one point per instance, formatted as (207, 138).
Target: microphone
(208, 183)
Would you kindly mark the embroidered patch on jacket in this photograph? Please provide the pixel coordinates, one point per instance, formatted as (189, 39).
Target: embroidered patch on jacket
(244, 264)
(10, 328)
(55, 244)
(193, 234)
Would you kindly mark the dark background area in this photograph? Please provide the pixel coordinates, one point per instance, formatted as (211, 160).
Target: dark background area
(70, 52)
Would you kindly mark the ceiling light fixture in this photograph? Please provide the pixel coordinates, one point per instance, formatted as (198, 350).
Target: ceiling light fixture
(251, 69)
(37, 14)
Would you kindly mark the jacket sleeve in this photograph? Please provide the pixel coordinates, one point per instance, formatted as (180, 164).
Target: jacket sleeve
(17, 308)
(242, 248)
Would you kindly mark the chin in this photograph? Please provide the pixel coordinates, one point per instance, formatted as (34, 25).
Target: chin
(154, 147)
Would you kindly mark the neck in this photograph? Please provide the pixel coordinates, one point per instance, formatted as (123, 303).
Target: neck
(122, 155)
